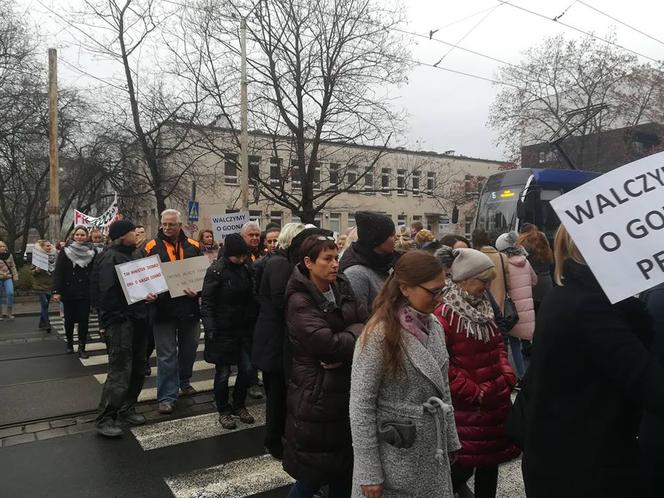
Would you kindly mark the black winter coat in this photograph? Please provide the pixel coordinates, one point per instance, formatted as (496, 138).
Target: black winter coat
(229, 310)
(589, 379)
(167, 308)
(651, 438)
(71, 282)
(318, 445)
(105, 289)
(270, 330)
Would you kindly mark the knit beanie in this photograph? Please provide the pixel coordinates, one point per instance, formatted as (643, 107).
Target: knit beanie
(469, 263)
(506, 240)
(120, 228)
(373, 228)
(234, 245)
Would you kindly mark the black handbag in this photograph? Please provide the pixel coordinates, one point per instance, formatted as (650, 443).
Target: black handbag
(508, 317)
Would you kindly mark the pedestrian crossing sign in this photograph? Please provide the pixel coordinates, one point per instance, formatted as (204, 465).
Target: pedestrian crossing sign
(192, 210)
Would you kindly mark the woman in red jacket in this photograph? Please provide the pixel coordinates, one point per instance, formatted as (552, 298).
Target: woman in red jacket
(480, 375)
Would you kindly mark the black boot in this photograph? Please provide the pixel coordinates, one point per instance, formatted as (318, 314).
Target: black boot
(42, 324)
(48, 327)
(82, 353)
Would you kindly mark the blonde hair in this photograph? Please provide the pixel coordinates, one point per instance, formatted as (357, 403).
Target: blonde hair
(41, 243)
(288, 233)
(564, 248)
(424, 236)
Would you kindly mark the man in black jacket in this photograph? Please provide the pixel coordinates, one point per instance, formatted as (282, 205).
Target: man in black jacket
(126, 328)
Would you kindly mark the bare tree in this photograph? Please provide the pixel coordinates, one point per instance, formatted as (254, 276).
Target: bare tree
(319, 78)
(561, 75)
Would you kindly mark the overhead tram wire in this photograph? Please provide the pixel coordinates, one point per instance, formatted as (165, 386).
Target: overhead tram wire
(629, 26)
(579, 30)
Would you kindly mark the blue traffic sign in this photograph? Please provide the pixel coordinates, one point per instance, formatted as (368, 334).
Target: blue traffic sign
(192, 210)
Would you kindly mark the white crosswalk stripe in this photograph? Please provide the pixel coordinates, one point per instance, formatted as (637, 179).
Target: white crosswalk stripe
(203, 371)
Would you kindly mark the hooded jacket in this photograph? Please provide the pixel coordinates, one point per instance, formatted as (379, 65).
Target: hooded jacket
(521, 279)
(366, 272)
(166, 308)
(318, 445)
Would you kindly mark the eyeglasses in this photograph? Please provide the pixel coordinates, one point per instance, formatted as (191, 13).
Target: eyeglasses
(325, 237)
(435, 293)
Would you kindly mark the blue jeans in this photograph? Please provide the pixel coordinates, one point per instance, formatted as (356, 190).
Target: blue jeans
(517, 356)
(44, 300)
(7, 287)
(176, 342)
(303, 489)
(242, 382)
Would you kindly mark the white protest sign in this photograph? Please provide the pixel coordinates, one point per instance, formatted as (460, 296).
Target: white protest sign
(617, 222)
(40, 259)
(185, 274)
(227, 224)
(141, 277)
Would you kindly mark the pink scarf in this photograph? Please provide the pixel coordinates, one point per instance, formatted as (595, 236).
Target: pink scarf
(416, 323)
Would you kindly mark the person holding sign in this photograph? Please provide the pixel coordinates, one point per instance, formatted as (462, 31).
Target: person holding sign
(229, 309)
(580, 407)
(176, 321)
(42, 280)
(126, 329)
(72, 286)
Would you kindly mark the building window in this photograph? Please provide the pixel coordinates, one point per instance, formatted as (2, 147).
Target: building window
(467, 228)
(318, 220)
(431, 182)
(351, 175)
(295, 173)
(317, 177)
(295, 219)
(401, 181)
(385, 179)
(402, 220)
(368, 179)
(255, 216)
(275, 171)
(334, 176)
(254, 169)
(276, 217)
(230, 168)
(417, 218)
(335, 222)
(416, 183)
(351, 220)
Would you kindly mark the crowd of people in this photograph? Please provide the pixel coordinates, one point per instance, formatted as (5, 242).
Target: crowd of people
(389, 359)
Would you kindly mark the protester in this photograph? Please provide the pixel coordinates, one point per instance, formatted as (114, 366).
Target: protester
(8, 275)
(175, 321)
(368, 261)
(454, 241)
(351, 236)
(42, 283)
(229, 310)
(324, 320)
(423, 237)
(71, 285)
(651, 435)
(498, 290)
(520, 283)
(415, 227)
(97, 240)
(271, 236)
(126, 329)
(208, 245)
(251, 233)
(402, 246)
(582, 404)
(480, 375)
(341, 241)
(141, 237)
(270, 335)
(540, 258)
(401, 414)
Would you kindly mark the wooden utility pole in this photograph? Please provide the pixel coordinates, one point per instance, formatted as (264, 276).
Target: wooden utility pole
(54, 167)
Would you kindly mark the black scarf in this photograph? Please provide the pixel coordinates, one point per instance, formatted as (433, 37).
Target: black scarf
(4, 256)
(359, 254)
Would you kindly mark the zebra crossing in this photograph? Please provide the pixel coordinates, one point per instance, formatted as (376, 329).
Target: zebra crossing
(202, 379)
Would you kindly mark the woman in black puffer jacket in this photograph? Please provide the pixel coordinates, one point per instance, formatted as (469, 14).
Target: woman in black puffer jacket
(229, 311)
(324, 320)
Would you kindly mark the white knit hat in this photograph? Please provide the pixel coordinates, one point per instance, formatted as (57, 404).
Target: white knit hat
(469, 263)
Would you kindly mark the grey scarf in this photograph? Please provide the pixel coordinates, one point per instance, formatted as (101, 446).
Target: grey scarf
(80, 254)
(475, 313)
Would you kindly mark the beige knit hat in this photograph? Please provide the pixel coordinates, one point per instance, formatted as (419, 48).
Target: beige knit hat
(469, 263)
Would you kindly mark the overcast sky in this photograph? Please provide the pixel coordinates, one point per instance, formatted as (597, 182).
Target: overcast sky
(449, 111)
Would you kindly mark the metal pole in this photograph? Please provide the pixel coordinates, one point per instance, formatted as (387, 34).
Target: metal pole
(244, 133)
(54, 167)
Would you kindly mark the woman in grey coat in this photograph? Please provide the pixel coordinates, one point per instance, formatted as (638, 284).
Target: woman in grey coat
(401, 415)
